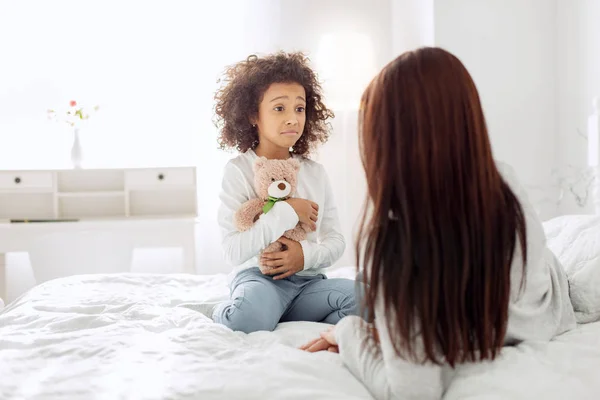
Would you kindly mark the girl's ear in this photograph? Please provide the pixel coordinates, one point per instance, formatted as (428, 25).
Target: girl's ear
(253, 120)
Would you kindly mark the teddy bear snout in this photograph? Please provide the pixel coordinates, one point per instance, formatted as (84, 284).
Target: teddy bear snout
(279, 189)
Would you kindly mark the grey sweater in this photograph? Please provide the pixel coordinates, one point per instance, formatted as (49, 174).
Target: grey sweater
(540, 311)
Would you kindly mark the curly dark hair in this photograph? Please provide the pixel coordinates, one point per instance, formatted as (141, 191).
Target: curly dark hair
(243, 87)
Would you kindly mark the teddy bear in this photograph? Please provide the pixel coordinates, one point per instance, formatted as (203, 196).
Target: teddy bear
(274, 180)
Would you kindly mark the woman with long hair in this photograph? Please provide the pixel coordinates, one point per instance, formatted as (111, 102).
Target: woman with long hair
(453, 255)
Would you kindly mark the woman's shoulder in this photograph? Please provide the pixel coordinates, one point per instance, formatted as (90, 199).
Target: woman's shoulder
(507, 172)
(509, 175)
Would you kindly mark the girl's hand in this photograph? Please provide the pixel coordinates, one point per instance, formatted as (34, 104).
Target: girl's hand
(325, 342)
(283, 263)
(308, 211)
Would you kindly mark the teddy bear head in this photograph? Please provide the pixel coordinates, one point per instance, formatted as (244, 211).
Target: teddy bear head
(275, 178)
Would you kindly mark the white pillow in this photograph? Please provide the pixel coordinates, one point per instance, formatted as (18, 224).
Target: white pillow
(575, 239)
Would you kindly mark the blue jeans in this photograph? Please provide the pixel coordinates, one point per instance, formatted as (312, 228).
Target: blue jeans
(258, 302)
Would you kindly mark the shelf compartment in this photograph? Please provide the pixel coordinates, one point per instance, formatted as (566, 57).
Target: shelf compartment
(92, 206)
(78, 181)
(162, 203)
(26, 206)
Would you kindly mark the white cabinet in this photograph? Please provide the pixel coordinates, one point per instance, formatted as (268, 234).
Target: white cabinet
(140, 209)
(98, 194)
(23, 180)
(157, 178)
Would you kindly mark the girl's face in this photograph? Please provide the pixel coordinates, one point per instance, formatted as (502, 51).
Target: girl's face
(281, 115)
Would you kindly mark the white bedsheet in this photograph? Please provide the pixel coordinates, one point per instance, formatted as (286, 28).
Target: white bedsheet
(566, 368)
(122, 337)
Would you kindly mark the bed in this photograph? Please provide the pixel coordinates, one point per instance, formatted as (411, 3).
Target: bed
(123, 336)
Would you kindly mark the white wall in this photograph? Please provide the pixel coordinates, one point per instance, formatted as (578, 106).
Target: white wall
(509, 46)
(367, 35)
(578, 61)
(413, 24)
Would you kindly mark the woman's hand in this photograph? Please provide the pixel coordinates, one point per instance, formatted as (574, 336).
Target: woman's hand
(283, 263)
(308, 211)
(325, 342)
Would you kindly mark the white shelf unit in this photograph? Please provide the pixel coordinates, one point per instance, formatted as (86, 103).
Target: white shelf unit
(98, 194)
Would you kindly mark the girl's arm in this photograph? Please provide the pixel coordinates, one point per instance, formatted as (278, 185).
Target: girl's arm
(376, 365)
(239, 247)
(331, 243)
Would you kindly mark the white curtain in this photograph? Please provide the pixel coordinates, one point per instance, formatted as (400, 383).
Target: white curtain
(152, 68)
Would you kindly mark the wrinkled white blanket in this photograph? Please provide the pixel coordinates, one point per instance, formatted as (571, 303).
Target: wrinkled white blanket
(123, 337)
(575, 239)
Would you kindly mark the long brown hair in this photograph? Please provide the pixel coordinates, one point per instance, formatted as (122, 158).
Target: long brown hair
(440, 226)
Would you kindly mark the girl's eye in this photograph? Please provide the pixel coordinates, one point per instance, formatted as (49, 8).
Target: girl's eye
(278, 108)
(300, 109)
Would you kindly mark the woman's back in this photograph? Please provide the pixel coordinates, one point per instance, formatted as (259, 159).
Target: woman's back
(539, 309)
(444, 227)
(454, 255)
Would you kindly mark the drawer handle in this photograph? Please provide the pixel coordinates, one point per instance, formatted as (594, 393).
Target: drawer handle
(17, 180)
(161, 177)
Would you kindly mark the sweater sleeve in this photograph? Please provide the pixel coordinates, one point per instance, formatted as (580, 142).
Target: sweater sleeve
(239, 247)
(331, 244)
(385, 374)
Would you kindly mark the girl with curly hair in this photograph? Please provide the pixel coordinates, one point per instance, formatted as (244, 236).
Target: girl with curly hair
(272, 107)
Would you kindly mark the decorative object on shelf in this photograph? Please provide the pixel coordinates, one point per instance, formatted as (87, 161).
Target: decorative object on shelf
(74, 116)
(76, 151)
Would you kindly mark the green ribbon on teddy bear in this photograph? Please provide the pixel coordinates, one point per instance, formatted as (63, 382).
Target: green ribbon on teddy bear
(271, 202)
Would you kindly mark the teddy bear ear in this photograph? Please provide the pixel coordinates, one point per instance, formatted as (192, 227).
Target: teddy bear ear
(259, 163)
(294, 163)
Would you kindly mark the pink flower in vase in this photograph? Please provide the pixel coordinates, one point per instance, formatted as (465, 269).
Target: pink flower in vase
(73, 115)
